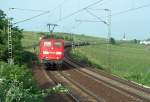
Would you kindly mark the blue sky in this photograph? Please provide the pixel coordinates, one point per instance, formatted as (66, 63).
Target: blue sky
(135, 24)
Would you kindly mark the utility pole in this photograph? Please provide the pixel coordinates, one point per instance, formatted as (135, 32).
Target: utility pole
(10, 50)
(108, 11)
(72, 41)
(107, 22)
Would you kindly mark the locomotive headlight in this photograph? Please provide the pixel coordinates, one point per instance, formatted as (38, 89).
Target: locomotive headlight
(58, 53)
(45, 52)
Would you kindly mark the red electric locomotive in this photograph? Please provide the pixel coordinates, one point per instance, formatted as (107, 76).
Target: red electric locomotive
(51, 51)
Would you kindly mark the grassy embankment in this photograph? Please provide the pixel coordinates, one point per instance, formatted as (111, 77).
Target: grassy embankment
(127, 60)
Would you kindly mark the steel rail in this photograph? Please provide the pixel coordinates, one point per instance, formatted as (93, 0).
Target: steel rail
(98, 98)
(142, 95)
(127, 82)
(52, 77)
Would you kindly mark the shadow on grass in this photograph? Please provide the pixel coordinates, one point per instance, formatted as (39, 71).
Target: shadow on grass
(29, 58)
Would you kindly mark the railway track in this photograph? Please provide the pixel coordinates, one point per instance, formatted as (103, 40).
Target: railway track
(127, 82)
(108, 88)
(55, 77)
(76, 93)
(52, 78)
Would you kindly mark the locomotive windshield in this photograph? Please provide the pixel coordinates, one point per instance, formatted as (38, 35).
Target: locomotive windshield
(57, 44)
(47, 44)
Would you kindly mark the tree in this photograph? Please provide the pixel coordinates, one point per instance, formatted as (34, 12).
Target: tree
(135, 41)
(112, 41)
(16, 40)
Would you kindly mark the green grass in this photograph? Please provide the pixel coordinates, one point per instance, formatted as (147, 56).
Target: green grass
(30, 40)
(126, 60)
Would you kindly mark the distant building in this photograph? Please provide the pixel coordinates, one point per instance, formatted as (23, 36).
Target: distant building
(145, 42)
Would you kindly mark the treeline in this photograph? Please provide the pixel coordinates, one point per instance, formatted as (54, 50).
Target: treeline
(16, 81)
(113, 41)
(16, 40)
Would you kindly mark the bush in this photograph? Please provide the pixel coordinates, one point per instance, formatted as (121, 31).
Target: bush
(135, 41)
(16, 39)
(17, 85)
(112, 41)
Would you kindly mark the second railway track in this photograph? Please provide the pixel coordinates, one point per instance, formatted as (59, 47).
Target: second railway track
(75, 93)
(107, 88)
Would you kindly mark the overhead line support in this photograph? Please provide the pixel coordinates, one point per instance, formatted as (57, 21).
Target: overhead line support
(51, 28)
(10, 43)
(109, 36)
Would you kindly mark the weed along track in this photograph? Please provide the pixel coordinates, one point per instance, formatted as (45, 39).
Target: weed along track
(46, 79)
(74, 92)
(104, 87)
(51, 78)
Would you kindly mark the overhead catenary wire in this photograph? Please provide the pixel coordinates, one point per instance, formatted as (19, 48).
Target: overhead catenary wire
(80, 10)
(98, 5)
(31, 10)
(127, 10)
(65, 17)
(95, 16)
(80, 20)
(41, 14)
(132, 9)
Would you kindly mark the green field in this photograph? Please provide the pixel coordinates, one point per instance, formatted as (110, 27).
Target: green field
(126, 60)
(30, 40)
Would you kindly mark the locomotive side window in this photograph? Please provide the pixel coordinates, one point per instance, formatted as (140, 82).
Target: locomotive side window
(47, 44)
(57, 44)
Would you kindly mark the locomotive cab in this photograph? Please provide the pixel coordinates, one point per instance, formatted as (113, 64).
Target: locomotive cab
(51, 51)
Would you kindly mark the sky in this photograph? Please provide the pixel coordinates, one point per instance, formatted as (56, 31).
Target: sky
(134, 24)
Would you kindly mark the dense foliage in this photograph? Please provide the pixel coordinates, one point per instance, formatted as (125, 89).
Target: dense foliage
(16, 40)
(17, 85)
(16, 82)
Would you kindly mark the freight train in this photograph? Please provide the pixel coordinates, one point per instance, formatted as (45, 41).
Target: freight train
(51, 50)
